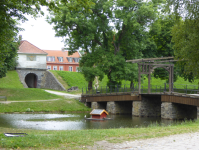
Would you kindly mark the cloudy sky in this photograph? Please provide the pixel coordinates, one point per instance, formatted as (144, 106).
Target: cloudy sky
(41, 34)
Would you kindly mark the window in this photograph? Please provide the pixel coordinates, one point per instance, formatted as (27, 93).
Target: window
(60, 59)
(76, 59)
(70, 59)
(49, 67)
(54, 67)
(50, 58)
(61, 68)
(77, 69)
(70, 68)
(31, 57)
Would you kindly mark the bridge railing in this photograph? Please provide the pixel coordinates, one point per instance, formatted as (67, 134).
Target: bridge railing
(125, 88)
(179, 88)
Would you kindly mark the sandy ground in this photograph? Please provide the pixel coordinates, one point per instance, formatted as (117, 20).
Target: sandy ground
(187, 141)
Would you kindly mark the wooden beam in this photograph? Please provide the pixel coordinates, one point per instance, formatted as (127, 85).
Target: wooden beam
(148, 59)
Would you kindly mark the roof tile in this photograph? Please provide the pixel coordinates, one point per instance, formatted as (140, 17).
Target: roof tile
(27, 47)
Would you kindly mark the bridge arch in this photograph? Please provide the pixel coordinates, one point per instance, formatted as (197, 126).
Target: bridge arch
(31, 80)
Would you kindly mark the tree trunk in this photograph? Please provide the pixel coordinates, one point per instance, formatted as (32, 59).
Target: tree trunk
(90, 85)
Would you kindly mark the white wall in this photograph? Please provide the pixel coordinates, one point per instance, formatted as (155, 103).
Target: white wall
(23, 62)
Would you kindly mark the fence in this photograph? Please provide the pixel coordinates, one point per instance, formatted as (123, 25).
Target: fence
(110, 89)
(126, 88)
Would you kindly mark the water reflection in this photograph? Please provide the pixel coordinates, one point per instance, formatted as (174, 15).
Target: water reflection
(73, 121)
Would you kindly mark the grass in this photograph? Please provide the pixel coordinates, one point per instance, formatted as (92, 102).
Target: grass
(75, 139)
(63, 105)
(72, 78)
(12, 88)
(11, 80)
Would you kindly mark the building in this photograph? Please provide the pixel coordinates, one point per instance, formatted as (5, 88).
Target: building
(30, 56)
(31, 68)
(98, 113)
(61, 60)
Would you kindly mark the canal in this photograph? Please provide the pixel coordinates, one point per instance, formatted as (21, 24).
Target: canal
(75, 121)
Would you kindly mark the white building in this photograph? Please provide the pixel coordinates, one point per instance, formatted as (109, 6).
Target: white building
(30, 56)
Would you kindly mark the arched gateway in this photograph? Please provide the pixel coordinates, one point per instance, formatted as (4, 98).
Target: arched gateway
(31, 80)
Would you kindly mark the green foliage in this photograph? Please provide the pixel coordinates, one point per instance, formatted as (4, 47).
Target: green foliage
(186, 44)
(111, 34)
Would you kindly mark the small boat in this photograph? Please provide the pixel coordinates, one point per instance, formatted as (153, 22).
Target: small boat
(15, 134)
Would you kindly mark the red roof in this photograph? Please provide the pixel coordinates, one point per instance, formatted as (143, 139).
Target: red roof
(27, 47)
(60, 53)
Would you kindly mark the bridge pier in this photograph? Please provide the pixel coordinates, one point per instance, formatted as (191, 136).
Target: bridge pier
(98, 105)
(197, 112)
(124, 107)
(148, 107)
(178, 111)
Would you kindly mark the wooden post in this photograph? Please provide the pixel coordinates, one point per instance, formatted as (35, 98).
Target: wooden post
(139, 79)
(149, 79)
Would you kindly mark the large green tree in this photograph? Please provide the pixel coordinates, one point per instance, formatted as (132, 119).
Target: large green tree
(115, 28)
(185, 34)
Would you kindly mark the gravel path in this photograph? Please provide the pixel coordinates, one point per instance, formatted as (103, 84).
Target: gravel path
(187, 141)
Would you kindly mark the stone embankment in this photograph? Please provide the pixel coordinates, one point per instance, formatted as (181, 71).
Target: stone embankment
(187, 141)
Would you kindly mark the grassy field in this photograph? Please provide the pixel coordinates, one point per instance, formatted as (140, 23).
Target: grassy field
(62, 105)
(12, 88)
(80, 139)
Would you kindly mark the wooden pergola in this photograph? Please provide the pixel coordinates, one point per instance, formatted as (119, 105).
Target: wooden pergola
(147, 66)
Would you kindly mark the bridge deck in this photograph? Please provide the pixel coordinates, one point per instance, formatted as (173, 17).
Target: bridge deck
(181, 98)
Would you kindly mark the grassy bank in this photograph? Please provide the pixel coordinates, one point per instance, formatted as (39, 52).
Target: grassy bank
(12, 88)
(75, 139)
(44, 106)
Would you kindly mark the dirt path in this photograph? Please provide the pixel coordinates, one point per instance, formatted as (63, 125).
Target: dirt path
(186, 141)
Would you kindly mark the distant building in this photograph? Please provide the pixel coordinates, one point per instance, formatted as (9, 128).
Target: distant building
(31, 68)
(30, 56)
(61, 60)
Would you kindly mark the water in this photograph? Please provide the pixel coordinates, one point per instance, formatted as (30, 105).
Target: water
(74, 121)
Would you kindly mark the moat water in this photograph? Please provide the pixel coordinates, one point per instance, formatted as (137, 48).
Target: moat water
(75, 121)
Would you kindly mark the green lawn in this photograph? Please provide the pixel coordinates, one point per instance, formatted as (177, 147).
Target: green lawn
(79, 139)
(12, 88)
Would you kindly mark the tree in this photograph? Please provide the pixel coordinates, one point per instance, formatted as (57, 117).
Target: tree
(184, 34)
(115, 29)
(90, 69)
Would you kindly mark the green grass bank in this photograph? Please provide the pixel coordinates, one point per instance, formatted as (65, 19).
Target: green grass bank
(29, 98)
(80, 139)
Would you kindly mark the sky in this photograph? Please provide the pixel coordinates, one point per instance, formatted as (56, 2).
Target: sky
(40, 33)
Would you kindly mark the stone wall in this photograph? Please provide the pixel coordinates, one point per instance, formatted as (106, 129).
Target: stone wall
(98, 105)
(45, 79)
(148, 107)
(51, 82)
(178, 111)
(40, 73)
(124, 107)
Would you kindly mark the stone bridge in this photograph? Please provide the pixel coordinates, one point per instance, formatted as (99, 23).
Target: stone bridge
(164, 105)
